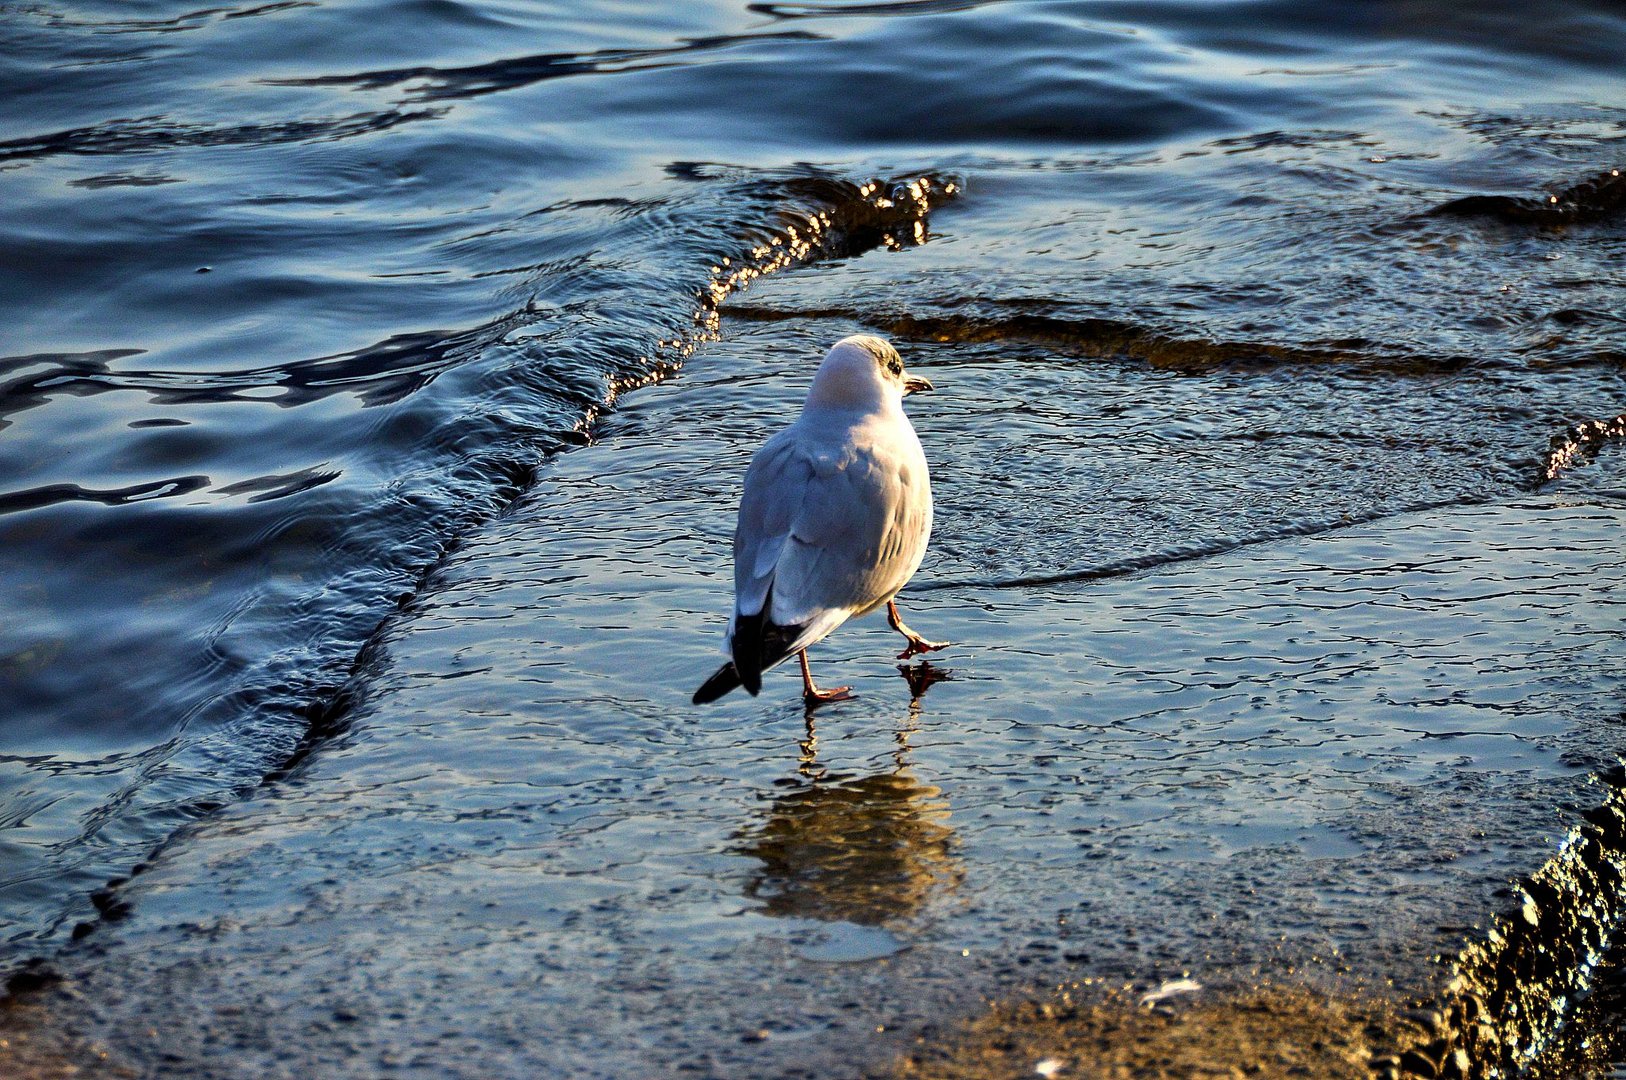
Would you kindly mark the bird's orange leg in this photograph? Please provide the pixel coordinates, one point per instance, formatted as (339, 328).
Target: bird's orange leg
(917, 644)
(812, 695)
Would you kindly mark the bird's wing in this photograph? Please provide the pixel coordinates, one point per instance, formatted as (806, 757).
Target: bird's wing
(775, 486)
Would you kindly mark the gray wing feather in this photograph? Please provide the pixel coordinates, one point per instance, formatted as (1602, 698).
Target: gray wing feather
(773, 494)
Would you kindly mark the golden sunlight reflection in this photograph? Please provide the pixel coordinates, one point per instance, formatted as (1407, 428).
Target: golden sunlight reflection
(871, 850)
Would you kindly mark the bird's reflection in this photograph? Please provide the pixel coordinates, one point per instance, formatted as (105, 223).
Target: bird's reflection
(870, 850)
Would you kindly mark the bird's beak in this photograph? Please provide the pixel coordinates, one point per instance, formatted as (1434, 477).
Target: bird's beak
(915, 383)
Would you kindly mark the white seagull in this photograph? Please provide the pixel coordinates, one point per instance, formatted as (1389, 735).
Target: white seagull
(834, 520)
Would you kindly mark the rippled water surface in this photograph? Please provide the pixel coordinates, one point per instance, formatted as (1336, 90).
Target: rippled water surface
(302, 299)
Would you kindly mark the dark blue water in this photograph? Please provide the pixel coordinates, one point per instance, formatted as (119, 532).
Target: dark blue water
(297, 295)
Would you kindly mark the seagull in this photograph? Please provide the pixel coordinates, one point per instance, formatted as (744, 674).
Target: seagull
(834, 521)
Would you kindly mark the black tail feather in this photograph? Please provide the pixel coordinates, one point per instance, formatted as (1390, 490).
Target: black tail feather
(759, 644)
(748, 647)
(719, 684)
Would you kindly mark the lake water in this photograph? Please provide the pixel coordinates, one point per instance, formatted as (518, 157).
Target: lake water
(307, 304)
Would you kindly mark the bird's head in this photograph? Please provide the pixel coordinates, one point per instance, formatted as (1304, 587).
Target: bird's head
(863, 371)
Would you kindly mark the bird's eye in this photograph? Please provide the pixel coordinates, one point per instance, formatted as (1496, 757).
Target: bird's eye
(895, 365)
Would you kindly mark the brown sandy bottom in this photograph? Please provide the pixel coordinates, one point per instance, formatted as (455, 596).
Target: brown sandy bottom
(32, 1047)
(1082, 1030)
(1085, 1030)
(1264, 1032)
(1267, 1032)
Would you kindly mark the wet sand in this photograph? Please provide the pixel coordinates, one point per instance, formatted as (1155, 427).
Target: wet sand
(1265, 1033)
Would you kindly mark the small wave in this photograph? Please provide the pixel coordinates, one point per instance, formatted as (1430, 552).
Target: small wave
(378, 374)
(1579, 445)
(1189, 552)
(882, 7)
(1595, 199)
(191, 20)
(34, 498)
(1101, 338)
(446, 83)
(144, 134)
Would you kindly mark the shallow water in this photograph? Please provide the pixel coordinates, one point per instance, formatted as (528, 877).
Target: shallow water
(521, 854)
(304, 296)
